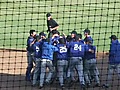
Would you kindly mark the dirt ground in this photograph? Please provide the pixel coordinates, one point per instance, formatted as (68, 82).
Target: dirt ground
(13, 66)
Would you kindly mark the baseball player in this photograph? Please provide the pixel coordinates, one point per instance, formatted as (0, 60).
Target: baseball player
(62, 61)
(30, 53)
(37, 47)
(76, 53)
(90, 62)
(55, 37)
(54, 40)
(73, 73)
(80, 38)
(114, 60)
(46, 61)
(88, 36)
(37, 55)
(73, 35)
(51, 24)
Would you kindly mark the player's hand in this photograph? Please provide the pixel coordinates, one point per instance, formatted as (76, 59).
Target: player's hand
(64, 34)
(90, 50)
(51, 29)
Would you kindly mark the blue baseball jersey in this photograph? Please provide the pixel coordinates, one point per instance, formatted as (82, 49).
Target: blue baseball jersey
(82, 41)
(73, 39)
(29, 41)
(62, 53)
(90, 38)
(37, 49)
(76, 49)
(48, 50)
(88, 54)
(55, 39)
(114, 54)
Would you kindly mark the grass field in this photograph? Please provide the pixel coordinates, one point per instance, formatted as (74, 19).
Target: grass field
(17, 17)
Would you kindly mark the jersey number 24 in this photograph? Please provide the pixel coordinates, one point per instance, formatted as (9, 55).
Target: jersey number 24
(77, 47)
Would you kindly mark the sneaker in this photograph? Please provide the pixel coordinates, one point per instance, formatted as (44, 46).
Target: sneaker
(88, 85)
(105, 86)
(57, 79)
(83, 86)
(33, 85)
(97, 85)
(62, 87)
(68, 80)
(70, 84)
(47, 83)
(40, 87)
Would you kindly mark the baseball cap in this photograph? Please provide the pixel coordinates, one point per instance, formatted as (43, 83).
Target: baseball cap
(74, 32)
(42, 34)
(48, 15)
(113, 37)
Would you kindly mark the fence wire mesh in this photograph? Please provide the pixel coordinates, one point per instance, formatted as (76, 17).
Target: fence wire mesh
(18, 17)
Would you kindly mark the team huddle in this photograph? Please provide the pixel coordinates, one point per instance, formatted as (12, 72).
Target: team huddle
(63, 56)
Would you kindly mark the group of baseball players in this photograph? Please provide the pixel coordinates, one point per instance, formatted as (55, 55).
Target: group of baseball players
(62, 57)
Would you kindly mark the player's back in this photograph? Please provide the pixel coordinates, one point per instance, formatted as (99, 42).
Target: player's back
(76, 49)
(37, 49)
(48, 50)
(62, 52)
(114, 54)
